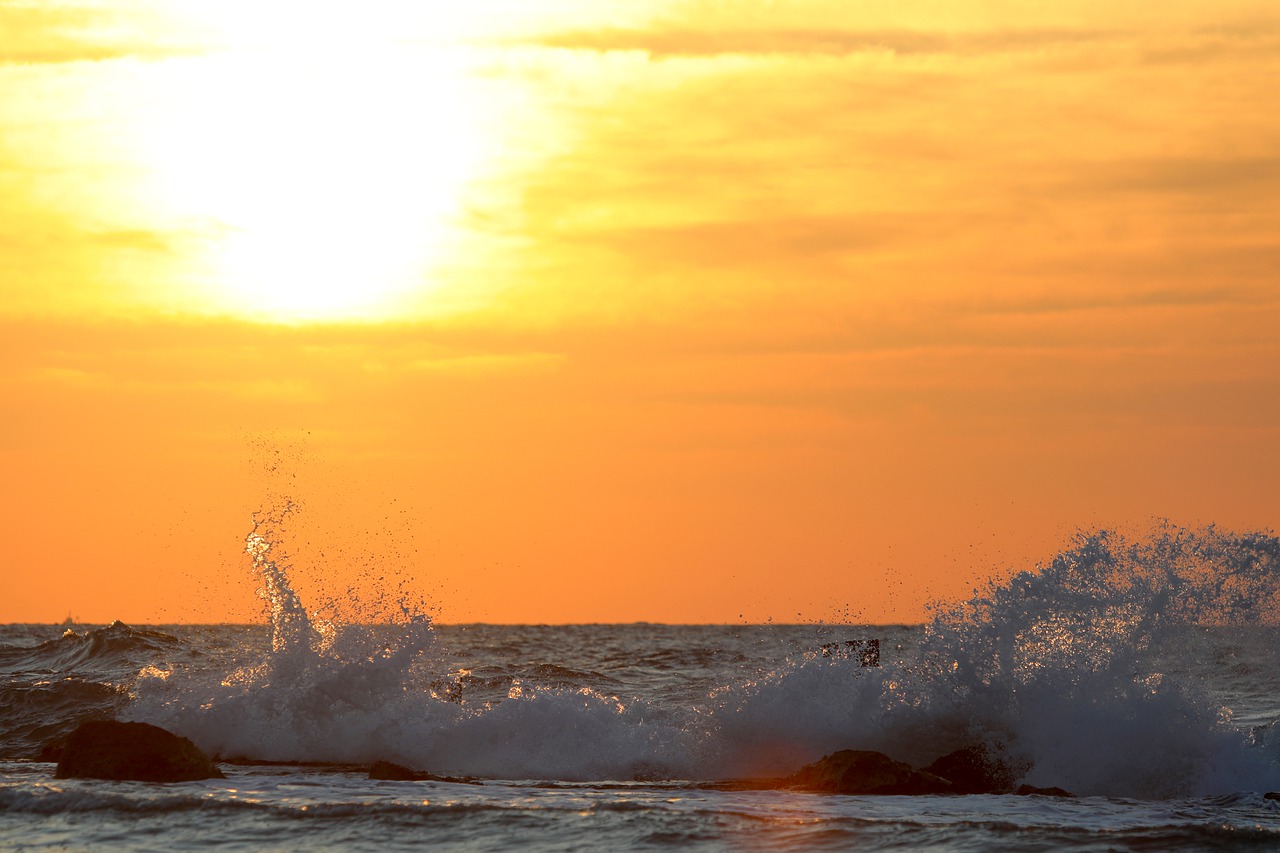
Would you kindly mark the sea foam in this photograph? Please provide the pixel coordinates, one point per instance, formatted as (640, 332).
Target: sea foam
(1058, 668)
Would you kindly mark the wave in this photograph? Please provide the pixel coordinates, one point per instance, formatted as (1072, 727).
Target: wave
(102, 653)
(1058, 668)
(273, 813)
(52, 687)
(43, 713)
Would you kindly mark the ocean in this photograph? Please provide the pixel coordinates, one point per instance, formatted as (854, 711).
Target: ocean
(1139, 674)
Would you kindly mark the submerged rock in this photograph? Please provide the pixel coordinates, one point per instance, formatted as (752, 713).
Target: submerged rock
(392, 772)
(1028, 790)
(978, 770)
(109, 749)
(972, 770)
(388, 771)
(851, 771)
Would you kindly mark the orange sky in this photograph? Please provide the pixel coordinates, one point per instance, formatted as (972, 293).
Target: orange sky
(664, 311)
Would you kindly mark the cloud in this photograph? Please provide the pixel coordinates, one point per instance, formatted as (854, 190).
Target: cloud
(682, 42)
(776, 240)
(138, 240)
(1251, 175)
(55, 32)
(165, 355)
(490, 364)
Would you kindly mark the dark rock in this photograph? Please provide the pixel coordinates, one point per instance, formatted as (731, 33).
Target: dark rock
(391, 772)
(1271, 795)
(109, 749)
(395, 772)
(1028, 790)
(852, 771)
(978, 770)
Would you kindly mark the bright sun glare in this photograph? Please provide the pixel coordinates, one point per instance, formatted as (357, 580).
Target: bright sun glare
(325, 173)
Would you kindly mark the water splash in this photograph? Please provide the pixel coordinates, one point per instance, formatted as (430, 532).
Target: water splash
(328, 691)
(1064, 669)
(290, 624)
(1067, 662)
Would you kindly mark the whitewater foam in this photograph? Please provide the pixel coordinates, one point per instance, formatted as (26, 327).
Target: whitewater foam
(1060, 668)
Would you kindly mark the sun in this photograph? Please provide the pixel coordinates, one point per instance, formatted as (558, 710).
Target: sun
(326, 178)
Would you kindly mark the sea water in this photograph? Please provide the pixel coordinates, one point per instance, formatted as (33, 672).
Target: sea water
(1139, 674)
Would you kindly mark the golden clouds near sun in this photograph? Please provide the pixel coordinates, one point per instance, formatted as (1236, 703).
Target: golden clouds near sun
(324, 184)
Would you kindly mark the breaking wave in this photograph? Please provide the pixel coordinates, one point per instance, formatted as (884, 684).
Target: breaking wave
(1063, 669)
(1066, 670)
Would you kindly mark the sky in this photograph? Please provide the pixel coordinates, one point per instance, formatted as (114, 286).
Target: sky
(630, 311)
